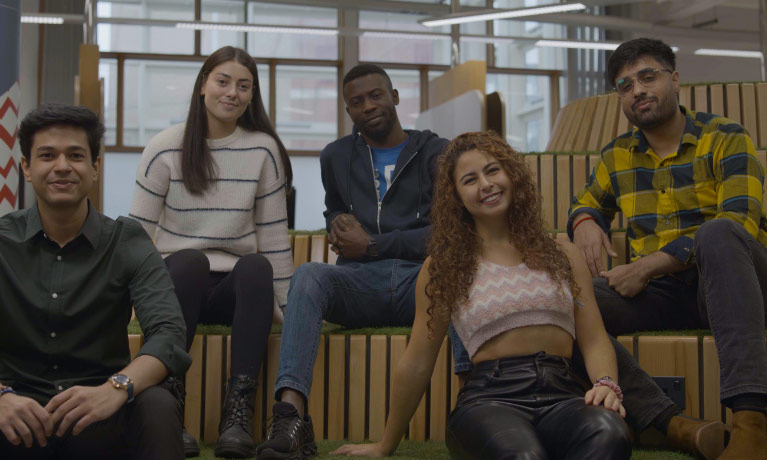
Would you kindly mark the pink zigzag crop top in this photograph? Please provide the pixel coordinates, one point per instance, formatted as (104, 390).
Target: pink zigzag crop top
(502, 298)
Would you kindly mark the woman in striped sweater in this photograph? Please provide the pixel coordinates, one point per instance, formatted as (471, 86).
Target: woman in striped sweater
(211, 192)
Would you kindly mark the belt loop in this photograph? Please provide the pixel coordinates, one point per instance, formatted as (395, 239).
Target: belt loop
(497, 368)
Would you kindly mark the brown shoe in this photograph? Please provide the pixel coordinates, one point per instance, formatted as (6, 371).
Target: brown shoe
(748, 439)
(702, 438)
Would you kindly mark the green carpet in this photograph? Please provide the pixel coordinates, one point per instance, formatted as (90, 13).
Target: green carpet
(412, 450)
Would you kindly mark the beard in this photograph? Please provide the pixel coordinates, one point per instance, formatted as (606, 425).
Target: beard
(657, 116)
(379, 132)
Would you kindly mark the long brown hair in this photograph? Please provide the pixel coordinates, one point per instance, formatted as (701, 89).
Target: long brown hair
(197, 166)
(455, 246)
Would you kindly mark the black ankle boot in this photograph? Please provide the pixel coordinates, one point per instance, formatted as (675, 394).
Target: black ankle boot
(176, 387)
(235, 432)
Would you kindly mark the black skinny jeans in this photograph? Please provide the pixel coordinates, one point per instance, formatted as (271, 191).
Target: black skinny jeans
(532, 408)
(725, 291)
(243, 298)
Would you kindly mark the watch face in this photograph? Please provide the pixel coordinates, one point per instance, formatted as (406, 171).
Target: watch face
(121, 380)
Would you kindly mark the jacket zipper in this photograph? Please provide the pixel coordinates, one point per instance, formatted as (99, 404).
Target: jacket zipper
(373, 175)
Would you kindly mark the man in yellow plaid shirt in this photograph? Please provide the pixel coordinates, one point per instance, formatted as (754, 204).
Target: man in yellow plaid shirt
(690, 187)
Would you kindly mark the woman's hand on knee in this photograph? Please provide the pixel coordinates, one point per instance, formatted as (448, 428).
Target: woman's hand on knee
(606, 397)
(361, 450)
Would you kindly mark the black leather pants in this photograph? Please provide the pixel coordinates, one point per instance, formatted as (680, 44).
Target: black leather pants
(532, 407)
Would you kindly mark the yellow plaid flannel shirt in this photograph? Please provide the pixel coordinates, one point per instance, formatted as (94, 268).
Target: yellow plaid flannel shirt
(714, 174)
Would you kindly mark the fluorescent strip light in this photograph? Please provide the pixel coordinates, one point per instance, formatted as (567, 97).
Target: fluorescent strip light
(487, 39)
(462, 18)
(28, 19)
(574, 44)
(253, 28)
(729, 53)
(406, 35)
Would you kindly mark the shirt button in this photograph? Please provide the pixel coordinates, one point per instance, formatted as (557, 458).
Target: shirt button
(53, 334)
(55, 296)
(60, 388)
(55, 367)
(58, 257)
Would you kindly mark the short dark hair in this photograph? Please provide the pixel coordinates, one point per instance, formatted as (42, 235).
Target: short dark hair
(366, 69)
(630, 51)
(48, 115)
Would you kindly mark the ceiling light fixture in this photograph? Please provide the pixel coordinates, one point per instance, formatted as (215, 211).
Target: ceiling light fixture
(30, 19)
(729, 53)
(253, 28)
(489, 15)
(576, 44)
(405, 35)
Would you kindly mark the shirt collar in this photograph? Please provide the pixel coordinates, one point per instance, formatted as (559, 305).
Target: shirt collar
(91, 228)
(639, 143)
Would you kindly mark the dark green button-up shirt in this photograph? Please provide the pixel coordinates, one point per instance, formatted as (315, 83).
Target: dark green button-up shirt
(64, 311)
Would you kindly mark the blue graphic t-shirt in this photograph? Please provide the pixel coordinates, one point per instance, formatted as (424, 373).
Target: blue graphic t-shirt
(384, 161)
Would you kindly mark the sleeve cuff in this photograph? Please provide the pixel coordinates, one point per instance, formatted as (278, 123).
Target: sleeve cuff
(681, 248)
(598, 217)
(175, 359)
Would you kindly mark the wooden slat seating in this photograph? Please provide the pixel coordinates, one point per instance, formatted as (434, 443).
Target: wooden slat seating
(352, 377)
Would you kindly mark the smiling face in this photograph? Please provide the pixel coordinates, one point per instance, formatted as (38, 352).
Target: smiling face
(652, 105)
(60, 168)
(227, 91)
(371, 105)
(483, 185)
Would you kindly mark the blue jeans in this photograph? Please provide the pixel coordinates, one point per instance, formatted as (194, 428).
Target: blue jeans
(371, 294)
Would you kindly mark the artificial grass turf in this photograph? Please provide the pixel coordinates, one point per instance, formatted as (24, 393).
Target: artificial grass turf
(415, 450)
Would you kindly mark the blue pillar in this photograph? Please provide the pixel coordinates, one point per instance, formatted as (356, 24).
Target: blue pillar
(10, 97)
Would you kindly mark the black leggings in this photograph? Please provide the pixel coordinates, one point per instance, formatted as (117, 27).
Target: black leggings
(532, 407)
(243, 298)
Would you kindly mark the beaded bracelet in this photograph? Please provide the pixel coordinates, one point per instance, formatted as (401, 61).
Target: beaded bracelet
(606, 381)
(4, 390)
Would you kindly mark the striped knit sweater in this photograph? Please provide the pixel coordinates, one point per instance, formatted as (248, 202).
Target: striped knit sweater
(503, 298)
(242, 212)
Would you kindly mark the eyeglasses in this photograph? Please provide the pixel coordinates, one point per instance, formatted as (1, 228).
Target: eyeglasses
(645, 76)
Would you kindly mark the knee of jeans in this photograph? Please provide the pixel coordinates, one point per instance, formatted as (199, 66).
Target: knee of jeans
(714, 232)
(309, 276)
(189, 261)
(157, 407)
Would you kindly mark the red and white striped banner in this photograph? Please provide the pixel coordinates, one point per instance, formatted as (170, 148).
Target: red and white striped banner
(10, 153)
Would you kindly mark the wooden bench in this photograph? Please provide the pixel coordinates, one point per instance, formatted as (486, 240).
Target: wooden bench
(352, 375)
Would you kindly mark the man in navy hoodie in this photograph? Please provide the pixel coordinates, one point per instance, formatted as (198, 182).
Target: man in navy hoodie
(378, 193)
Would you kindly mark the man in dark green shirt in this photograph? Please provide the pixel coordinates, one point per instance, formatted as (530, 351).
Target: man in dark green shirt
(68, 277)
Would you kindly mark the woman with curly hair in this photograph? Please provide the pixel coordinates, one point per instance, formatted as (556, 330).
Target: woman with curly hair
(517, 299)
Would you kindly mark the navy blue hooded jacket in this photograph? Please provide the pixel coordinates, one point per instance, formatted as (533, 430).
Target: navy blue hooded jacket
(400, 225)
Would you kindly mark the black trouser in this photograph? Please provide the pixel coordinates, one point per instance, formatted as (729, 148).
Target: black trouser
(532, 407)
(147, 429)
(726, 291)
(243, 298)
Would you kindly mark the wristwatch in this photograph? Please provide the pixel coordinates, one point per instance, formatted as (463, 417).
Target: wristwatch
(372, 249)
(123, 382)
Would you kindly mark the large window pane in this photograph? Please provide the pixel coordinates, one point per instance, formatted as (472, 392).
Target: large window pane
(222, 11)
(145, 39)
(307, 106)
(108, 71)
(292, 45)
(119, 179)
(409, 49)
(472, 50)
(157, 95)
(527, 115)
(263, 82)
(408, 85)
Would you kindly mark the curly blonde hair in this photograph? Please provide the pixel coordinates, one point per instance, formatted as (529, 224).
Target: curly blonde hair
(455, 246)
